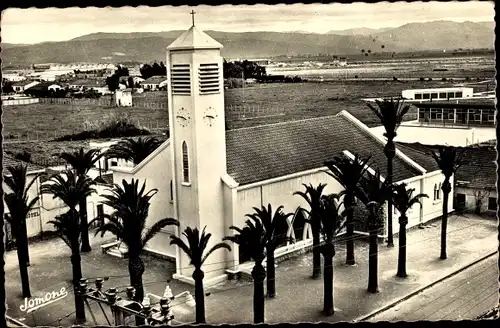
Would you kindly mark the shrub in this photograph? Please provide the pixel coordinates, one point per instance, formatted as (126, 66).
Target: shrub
(430, 79)
(355, 76)
(233, 83)
(114, 129)
(443, 79)
(24, 156)
(394, 78)
(467, 78)
(422, 79)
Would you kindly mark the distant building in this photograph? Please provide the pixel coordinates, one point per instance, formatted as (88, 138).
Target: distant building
(437, 94)
(154, 82)
(123, 98)
(475, 181)
(98, 85)
(20, 87)
(456, 114)
(13, 77)
(43, 89)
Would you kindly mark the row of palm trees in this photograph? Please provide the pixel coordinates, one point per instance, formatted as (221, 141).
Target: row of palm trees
(258, 238)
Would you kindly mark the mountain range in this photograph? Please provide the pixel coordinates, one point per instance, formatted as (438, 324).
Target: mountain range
(150, 46)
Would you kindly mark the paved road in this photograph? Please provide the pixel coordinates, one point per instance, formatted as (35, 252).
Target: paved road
(463, 296)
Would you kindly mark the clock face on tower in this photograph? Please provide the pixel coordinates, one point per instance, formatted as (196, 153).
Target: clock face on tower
(182, 117)
(209, 116)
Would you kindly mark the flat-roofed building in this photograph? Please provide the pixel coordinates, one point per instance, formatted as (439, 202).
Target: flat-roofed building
(456, 114)
(437, 94)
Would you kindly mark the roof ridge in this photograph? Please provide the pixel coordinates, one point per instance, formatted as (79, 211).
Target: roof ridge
(284, 123)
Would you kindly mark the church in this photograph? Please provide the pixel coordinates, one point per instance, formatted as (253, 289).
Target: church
(207, 176)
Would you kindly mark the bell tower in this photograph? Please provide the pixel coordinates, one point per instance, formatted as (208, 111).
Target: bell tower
(198, 141)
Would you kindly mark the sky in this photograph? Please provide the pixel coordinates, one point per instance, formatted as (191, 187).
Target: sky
(35, 25)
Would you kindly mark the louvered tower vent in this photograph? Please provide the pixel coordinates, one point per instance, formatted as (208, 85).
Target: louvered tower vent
(209, 79)
(181, 79)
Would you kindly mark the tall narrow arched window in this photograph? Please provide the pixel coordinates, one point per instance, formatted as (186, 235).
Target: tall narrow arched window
(439, 191)
(435, 191)
(171, 191)
(185, 162)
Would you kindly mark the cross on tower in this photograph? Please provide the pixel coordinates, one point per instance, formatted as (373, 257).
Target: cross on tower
(192, 15)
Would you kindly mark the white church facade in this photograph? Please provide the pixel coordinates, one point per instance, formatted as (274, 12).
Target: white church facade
(207, 176)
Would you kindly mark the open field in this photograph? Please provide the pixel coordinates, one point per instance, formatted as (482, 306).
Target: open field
(295, 101)
(458, 67)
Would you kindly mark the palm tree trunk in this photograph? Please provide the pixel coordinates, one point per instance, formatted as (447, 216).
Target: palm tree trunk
(76, 262)
(403, 221)
(350, 232)
(390, 151)
(23, 269)
(136, 269)
(373, 262)
(199, 296)
(258, 275)
(271, 274)
(316, 253)
(328, 308)
(446, 193)
(24, 240)
(84, 226)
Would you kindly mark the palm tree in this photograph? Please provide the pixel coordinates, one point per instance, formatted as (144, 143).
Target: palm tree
(133, 150)
(252, 241)
(195, 250)
(403, 200)
(348, 172)
(313, 197)
(70, 188)
(130, 206)
(82, 161)
(391, 114)
(273, 240)
(449, 161)
(19, 206)
(332, 222)
(373, 194)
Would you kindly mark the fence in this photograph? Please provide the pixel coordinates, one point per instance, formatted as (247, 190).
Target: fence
(24, 101)
(102, 101)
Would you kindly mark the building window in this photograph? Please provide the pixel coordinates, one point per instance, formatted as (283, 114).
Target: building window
(451, 116)
(418, 96)
(421, 114)
(439, 191)
(114, 163)
(171, 191)
(435, 192)
(185, 162)
(426, 96)
(439, 116)
(442, 95)
(491, 118)
(106, 165)
(458, 94)
(492, 204)
(477, 117)
(209, 79)
(434, 95)
(451, 95)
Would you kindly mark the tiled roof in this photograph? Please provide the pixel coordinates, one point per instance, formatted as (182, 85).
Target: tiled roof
(105, 179)
(89, 82)
(194, 39)
(270, 151)
(478, 169)
(420, 154)
(11, 161)
(157, 79)
(22, 83)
